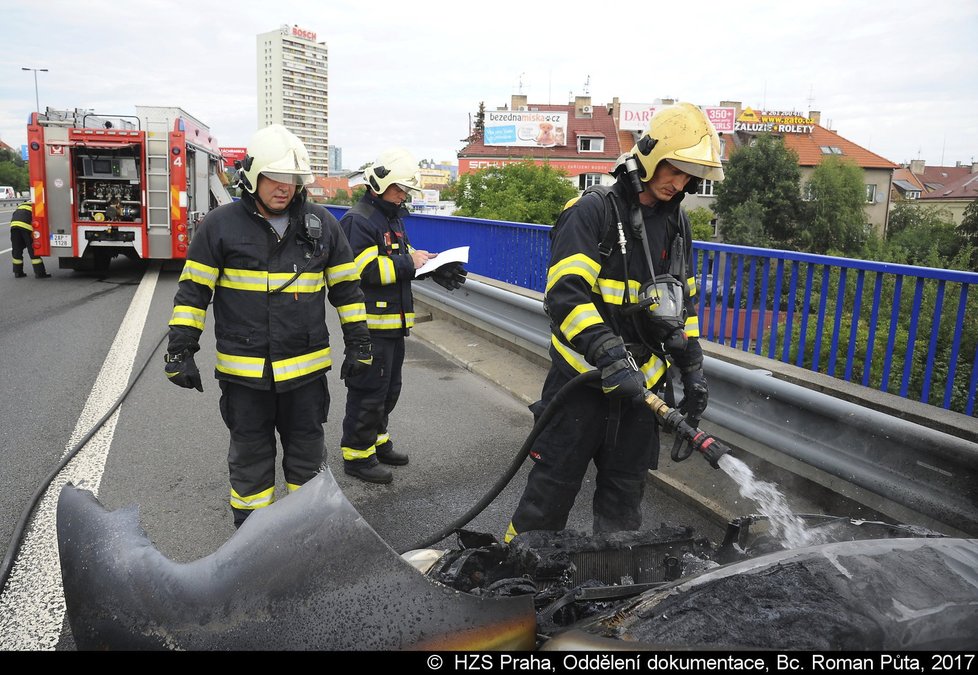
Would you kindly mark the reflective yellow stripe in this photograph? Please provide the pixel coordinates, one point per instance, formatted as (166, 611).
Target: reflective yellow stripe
(297, 366)
(692, 327)
(24, 226)
(612, 291)
(581, 317)
(307, 282)
(388, 321)
(292, 487)
(575, 360)
(385, 266)
(242, 366)
(350, 313)
(340, 273)
(251, 502)
(510, 533)
(691, 284)
(383, 438)
(246, 280)
(18, 261)
(366, 256)
(353, 453)
(204, 275)
(653, 369)
(185, 315)
(579, 265)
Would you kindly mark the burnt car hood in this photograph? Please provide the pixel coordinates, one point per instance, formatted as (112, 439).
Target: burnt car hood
(306, 573)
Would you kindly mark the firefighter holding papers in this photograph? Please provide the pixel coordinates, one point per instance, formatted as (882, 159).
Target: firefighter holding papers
(386, 262)
(619, 296)
(270, 261)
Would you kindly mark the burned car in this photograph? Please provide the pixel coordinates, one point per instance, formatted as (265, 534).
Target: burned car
(298, 573)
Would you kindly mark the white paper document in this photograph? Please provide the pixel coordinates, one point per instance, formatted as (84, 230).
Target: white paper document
(460, 254)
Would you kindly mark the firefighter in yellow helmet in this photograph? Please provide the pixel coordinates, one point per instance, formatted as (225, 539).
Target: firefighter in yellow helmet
(620, 297)
(22, 239)
(387, 265)
(270, 262)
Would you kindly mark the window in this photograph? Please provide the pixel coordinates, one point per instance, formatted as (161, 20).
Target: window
(586, 180)
(912, 194)
(870, 193)
(830, 150)
(585, 144)
(706, 188)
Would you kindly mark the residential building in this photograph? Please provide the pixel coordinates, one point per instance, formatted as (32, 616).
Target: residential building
(577, 137)
(586, 141)
(336, 161)
(906, 186)
(956, 194)
(293, 89)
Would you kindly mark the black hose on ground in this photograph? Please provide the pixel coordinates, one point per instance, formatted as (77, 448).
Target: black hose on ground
(16, 538)
(514, 466)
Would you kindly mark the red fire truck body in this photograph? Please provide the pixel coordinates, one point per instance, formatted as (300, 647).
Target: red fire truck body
(108, 185)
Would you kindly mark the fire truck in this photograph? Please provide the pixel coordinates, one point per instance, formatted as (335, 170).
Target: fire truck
(109, 185)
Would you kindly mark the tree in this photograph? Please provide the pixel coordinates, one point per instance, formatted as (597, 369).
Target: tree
(701, 220)
(923, 235)
(969, 223)
(835, 219)
(13, 171)
(765, 173)
(522, 192)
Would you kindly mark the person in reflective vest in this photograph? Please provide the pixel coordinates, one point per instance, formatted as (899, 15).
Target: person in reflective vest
(387, 264)
(22, 239)
(620, 297)
(270, 262)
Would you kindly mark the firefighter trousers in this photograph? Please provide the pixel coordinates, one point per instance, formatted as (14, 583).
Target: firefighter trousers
(252, 417)
(576, 435)
(21, 240)
(370, 399)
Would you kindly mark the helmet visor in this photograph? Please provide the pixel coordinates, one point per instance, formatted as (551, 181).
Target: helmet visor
(299, 179)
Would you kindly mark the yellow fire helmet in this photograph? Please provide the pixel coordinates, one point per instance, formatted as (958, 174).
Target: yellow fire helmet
(395, 165)
(684, 136)
(278, 154)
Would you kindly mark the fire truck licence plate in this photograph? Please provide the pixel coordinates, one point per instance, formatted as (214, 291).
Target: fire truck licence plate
(60, 240)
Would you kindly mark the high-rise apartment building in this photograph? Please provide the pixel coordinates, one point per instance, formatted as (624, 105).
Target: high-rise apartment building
(293, 89)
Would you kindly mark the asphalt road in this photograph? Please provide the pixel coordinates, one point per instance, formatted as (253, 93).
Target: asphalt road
(70, 344)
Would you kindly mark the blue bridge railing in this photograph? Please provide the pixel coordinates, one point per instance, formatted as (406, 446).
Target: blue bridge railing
(910, 331)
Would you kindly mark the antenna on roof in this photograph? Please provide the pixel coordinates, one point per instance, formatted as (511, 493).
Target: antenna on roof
(811, 97)
(521, 83)
(587, 85)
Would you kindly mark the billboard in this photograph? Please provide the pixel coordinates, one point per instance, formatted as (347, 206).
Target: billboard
(525, 128)
(232, 154)
(636, 116)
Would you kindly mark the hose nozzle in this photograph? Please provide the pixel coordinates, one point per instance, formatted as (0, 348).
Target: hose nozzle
(673, 421)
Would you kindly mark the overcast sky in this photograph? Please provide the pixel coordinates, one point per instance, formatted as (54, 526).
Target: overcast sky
(897, 77)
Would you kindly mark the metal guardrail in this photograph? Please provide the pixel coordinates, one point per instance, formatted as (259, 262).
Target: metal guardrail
(925, 471)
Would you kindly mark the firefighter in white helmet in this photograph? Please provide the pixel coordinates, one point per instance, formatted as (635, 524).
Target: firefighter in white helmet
(386, 263)
(620, 297)
(270, 261)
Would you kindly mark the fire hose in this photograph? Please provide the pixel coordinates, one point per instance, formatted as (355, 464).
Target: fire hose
(671, 419)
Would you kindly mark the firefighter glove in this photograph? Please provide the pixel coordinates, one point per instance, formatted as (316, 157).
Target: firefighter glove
(620, 376)
(181, 370)
(696, 394)
(358, 360)
(450, 276)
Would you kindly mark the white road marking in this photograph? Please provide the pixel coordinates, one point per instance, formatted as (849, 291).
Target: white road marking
(32, 606)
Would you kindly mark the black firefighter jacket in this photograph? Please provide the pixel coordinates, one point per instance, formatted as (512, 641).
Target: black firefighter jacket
(266, 332)
(586, 295)
(384, 263)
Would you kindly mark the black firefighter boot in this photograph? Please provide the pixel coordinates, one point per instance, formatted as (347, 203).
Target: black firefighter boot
(39, 271)
(19, 270)
(388, 455)
(368, 470)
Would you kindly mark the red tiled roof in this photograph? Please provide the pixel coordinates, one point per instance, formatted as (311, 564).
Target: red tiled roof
(600, 124)
(943, 175)
(809, 149)
(906, 174)
(965, 187)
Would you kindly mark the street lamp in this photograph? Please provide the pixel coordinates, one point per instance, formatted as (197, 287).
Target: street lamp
(37, 101)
